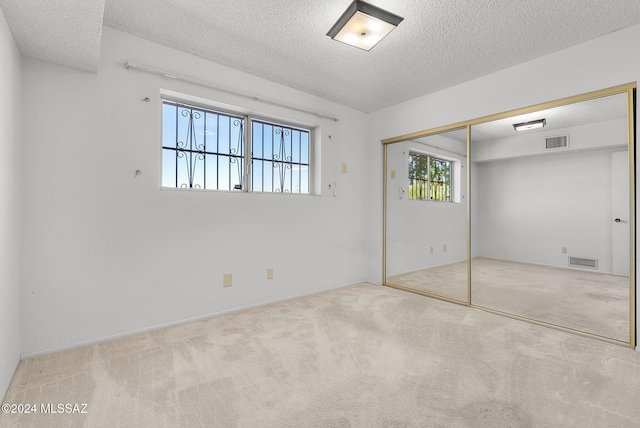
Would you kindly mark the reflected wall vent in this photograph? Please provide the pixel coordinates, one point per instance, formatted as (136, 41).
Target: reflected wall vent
(579, 262)
(558, 142)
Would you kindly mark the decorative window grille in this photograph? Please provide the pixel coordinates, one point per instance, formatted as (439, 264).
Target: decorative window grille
(280, 158)
(201, 148)
(206, 149)
(429, 178)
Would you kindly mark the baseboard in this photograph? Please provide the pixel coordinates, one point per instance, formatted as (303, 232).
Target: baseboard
(5, 388)
(27, 355)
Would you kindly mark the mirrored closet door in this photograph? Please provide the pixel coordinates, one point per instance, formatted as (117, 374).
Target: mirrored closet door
(548, 246)
(537, 226)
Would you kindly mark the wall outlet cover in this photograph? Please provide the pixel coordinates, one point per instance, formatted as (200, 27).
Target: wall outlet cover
(227, 280)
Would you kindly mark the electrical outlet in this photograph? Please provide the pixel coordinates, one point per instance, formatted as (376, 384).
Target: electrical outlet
(564, 250)
(444, 248)
(344, 167)
(227, 280)
(269, 273)
(393, 174)
(431, 251)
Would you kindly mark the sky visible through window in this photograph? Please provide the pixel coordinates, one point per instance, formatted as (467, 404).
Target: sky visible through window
(273, 144)
(205, 149)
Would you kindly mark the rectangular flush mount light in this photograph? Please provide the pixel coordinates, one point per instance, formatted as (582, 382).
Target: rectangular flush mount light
(527, 126)
(363, 25)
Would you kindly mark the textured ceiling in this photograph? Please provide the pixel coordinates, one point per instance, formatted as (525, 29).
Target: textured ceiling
(439, 44)
(66, 32)
(612, 107)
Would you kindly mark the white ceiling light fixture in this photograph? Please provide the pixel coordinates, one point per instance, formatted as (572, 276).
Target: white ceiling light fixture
(527, 126)
(363, 25)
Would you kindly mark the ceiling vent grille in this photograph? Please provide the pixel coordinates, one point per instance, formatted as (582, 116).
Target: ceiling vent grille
(558, 142)
(579, 262)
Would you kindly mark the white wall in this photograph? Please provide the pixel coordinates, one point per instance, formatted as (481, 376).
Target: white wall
(10, 204)
(529, 208)
(530, 203)
(107, 254)
(604, 62)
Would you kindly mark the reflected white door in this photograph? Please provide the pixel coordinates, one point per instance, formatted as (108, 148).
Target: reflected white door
(620, 214)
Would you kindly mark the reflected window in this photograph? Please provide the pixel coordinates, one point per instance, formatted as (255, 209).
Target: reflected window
(429, 178)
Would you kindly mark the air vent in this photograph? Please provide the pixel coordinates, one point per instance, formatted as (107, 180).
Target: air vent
(559, 142)
(579, 262)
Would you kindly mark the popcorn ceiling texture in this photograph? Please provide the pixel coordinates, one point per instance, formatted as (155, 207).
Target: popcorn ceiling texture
(361, 356)
(439, 44)
(65, 32)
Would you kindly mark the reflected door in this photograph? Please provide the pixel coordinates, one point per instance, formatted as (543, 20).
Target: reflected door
(620, 214)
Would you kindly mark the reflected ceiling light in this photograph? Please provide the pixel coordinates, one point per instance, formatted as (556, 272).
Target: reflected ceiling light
(363, 25)
(527, 126)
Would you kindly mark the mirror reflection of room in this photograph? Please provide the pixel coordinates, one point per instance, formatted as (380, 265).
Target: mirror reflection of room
(550, 216)
(427, 214)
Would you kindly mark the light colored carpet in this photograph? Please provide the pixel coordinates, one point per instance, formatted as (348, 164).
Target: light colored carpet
(583, 300)
(360, 356)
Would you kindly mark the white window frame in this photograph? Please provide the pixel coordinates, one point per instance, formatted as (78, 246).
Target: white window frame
(248, 158)
(454, 176)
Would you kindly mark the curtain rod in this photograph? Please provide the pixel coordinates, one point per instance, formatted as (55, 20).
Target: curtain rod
(131, 65)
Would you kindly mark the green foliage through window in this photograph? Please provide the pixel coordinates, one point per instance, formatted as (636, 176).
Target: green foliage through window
(429, 178)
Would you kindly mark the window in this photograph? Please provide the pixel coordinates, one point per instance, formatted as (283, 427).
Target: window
(201, 149)
(429, 178)
(280, 158)
(207, 149)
